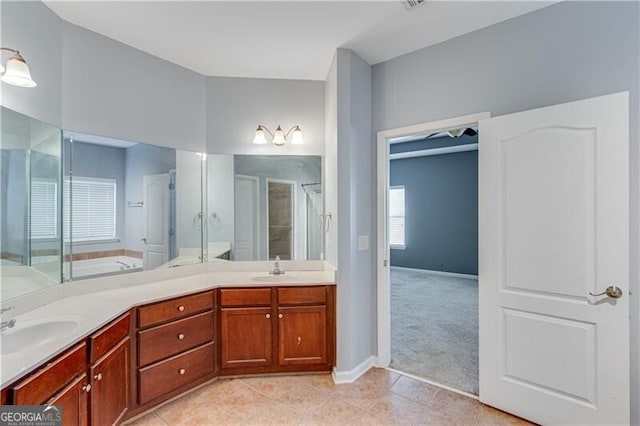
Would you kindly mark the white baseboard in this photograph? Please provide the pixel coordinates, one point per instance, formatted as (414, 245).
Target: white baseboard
(341, 377)
(445, 274)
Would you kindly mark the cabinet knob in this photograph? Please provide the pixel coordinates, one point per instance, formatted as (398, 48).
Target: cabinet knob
(98, 377)
(268, 316)
(181, 308)
(180, 336)
(182, 371)
(280, 316)
(87, 388)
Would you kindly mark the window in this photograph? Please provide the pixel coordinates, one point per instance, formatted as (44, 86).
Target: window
(396, 217)
(94, 209)
(44, 209)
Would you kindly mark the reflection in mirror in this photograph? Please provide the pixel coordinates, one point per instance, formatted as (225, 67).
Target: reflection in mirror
(30, 236)
(261, 206)
(128, 207)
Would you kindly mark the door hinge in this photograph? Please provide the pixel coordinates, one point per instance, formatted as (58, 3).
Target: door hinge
(385, 263)
(171, 186)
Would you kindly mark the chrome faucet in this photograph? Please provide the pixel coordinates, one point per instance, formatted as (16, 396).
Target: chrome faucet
(126, 265)
(7, 324)
(276, 267)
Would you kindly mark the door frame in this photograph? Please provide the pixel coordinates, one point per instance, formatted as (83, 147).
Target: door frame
(294, 220)
(384, 139)
(256, 212)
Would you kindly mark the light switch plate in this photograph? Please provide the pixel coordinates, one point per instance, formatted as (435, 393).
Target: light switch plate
(363, 242)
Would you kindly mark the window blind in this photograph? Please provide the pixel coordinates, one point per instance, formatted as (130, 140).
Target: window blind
(396, 216)
(94, 209)
(44, 208)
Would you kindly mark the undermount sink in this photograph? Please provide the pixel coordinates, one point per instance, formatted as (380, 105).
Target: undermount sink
(33, 333)
(274, 278)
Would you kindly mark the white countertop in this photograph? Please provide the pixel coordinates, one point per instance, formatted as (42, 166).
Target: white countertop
(93, 303)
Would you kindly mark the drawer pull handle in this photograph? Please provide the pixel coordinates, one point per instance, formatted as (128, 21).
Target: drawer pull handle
(180, 336)
(98, 376)
(182, 371)
(181, 308)
(87, 388)
(280, 316)
(268, 316)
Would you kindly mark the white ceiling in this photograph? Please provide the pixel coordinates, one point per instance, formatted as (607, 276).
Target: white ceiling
(282, 39)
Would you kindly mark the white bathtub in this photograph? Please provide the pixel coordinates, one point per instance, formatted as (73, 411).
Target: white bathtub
(103, 266)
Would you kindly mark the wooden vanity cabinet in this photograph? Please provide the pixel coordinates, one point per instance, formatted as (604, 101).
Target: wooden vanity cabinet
(302, 325)
(277, 329)
(109, 351)
(246, 328)
(62, 381)
(175, 347)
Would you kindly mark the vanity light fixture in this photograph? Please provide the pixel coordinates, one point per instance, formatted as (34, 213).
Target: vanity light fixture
(279, 137)
(17, 71)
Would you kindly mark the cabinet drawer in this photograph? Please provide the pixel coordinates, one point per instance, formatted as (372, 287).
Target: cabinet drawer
(169, 339)
(104, 340)
(302, 295)
(245, 297)
(165, 376)
(169, 310)
(42, 385)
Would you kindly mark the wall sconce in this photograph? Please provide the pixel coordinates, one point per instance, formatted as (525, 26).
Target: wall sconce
(17, 71)
(279, 137)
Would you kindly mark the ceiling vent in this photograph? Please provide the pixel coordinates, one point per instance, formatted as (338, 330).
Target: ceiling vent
(413, 3)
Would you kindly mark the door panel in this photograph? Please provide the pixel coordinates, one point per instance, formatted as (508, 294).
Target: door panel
(156, 216)
(246, 218)
(246, 337)
(554, 226)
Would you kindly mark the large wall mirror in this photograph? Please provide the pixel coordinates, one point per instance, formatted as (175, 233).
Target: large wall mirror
(264, 206)
(77, 206)
(30, 205)
(129, 206)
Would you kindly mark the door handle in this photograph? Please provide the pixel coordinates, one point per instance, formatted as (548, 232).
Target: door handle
(144, 240)
(611, 291)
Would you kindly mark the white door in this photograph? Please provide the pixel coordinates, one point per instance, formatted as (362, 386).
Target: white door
(554, 227)
(246, 212)
(156, 220)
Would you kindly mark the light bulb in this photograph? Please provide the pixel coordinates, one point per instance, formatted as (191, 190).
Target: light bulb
(297, 138)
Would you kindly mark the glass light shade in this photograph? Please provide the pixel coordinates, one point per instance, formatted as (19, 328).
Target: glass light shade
(259, 138)
(297, 138)
(278, 137)
(18, 73)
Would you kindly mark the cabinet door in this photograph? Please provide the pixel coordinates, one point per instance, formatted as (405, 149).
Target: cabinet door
(246, 337)
(302, 335)
(73, 400)
(110, 388)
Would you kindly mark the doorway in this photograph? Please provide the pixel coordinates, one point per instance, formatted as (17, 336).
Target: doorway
(246, 218)
(391, 290)
(280, 218)
(433, 239)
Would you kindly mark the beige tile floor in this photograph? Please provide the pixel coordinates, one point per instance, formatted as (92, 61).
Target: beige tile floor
(379, 397)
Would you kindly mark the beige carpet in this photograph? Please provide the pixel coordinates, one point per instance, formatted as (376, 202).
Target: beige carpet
(434, 327)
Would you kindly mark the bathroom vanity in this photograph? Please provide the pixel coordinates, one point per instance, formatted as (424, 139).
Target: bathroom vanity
(156, 348)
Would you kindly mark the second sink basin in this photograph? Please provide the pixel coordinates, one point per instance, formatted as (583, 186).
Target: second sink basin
(32, 333)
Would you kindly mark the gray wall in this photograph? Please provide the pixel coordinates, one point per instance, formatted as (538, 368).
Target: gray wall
(565, 52)
(36, 31)
(235, 107)
(441, 211)
(96, 161)
(141, 160)
(110, 89)
(356, 296)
